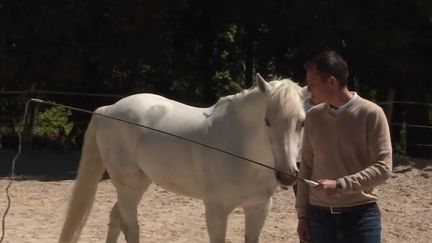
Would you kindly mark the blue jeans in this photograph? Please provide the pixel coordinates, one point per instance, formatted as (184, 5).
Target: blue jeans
(356, 225)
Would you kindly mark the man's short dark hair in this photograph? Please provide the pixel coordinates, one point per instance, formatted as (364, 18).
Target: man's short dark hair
(330, 63)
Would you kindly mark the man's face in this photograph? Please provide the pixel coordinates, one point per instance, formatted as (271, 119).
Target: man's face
(319, 87)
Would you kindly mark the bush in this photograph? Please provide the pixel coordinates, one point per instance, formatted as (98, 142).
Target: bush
(53, 123)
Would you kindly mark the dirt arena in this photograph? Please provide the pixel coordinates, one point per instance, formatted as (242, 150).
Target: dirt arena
(38, 208)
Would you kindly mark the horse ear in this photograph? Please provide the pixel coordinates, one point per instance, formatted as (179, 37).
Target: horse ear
(305, 93)
(262, 84)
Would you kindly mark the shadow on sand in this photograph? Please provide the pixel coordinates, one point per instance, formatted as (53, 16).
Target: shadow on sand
(43, 165)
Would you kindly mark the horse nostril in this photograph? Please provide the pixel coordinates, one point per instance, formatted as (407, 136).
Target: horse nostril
(285, 178)
(278, 175)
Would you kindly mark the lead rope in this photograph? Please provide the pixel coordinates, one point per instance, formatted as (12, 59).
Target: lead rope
(12, 173)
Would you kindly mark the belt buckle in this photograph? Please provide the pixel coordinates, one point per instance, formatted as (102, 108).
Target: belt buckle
(334, 212)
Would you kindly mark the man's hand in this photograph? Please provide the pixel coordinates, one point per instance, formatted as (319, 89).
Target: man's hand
(303, 230)
(328, 186)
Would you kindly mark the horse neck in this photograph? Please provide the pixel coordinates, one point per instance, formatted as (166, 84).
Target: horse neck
(241, 124)
(244, 109)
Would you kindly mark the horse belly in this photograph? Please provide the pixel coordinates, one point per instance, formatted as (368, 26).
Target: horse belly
(171, 166)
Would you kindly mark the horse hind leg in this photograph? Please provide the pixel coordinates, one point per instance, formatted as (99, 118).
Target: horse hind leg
(130, 188)
(255, 218)
(114, 227)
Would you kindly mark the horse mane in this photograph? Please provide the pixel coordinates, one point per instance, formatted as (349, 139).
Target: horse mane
(225, 101)
(285, 98)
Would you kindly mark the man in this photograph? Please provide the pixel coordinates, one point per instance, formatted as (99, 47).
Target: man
(347, 150)
(308, 104)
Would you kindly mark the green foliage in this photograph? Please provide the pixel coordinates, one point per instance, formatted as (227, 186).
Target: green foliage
(200, 50)
(53, 122)
(10, 116)
(225, 84)
(365, 91)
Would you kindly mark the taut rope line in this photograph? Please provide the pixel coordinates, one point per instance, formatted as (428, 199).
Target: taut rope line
(312, 183)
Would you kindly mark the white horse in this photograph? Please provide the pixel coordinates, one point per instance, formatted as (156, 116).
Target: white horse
(262, 124)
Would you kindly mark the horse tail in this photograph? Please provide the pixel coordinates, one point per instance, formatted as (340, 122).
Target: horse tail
(89, 174)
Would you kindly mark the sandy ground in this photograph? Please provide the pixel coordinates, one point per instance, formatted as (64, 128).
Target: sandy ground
(38, 208)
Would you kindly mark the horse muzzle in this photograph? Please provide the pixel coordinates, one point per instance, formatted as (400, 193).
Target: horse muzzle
(285, 179)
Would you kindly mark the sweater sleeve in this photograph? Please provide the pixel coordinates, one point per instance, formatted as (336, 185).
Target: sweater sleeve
(302, 199)
(379, 146)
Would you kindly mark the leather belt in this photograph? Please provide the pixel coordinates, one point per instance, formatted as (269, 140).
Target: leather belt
(340, 210)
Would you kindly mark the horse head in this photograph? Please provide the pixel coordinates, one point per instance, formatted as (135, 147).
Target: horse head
(284, 116)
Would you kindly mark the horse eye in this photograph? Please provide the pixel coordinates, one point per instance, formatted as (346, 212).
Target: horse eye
(267, 122)
(300, 125)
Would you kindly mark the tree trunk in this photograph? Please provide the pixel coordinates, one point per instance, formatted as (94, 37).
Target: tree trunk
(251, 31)
(389, 104)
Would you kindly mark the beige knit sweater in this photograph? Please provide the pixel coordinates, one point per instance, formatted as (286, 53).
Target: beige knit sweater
(351, 145)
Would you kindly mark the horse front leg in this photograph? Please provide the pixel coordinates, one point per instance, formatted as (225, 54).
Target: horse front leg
(216, 219)
(255, 218)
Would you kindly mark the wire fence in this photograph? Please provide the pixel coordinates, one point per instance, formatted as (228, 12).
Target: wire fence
(6, 117)
(28, 92)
